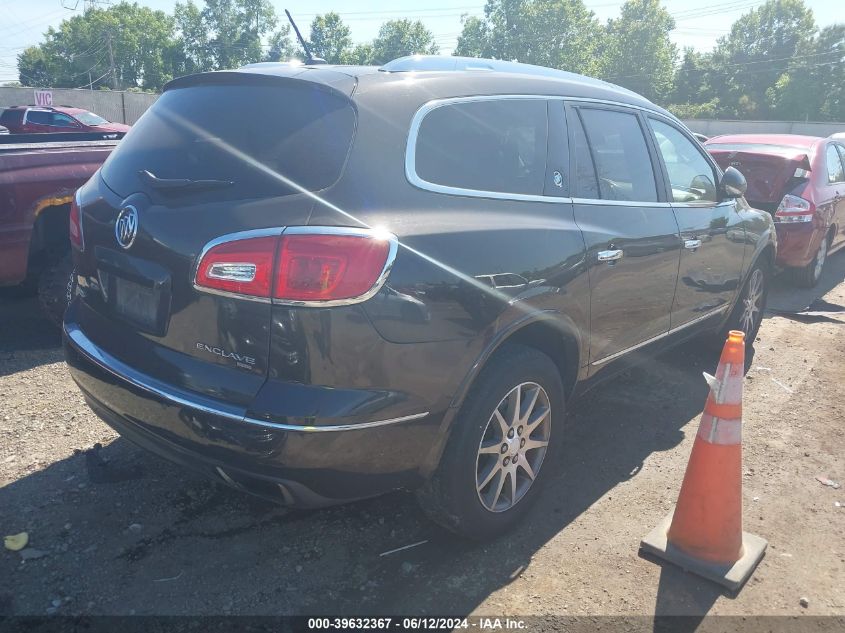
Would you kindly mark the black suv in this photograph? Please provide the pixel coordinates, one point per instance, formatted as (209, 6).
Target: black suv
(322, 283)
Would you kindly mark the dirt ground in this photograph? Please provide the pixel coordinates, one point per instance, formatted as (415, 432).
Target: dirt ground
(165, 541)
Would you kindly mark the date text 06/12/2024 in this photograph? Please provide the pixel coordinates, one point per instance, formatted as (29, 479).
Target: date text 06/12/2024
(417, 624)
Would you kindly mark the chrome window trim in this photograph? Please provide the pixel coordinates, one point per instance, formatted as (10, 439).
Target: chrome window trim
(653, 339)
(393, 248)
(704, 205)
(411, 154)
(426, 108)
(620, 203)
(106, 362)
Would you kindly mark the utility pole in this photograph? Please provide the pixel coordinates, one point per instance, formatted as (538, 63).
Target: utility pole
(111, 62)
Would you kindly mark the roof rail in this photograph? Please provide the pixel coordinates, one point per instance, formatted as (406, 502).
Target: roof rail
(440, 63)
(422, 63)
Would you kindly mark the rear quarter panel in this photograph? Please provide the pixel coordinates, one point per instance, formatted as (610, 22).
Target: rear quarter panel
(468, 268)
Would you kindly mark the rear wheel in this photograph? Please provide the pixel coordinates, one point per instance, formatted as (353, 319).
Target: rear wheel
(55, 289)
(809, 275)
(508, 428)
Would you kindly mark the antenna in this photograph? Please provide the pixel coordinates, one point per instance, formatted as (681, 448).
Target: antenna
(309, 59)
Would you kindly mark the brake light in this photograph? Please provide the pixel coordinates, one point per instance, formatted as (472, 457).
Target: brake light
(310, 266)
(329, 267)
(793, 209)
(77, 240)
(242, 266)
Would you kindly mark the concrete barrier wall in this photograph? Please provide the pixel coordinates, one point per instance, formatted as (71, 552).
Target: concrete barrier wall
(120, 107)
(710, 127)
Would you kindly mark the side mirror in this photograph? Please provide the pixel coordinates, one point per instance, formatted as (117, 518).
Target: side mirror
(733, 183)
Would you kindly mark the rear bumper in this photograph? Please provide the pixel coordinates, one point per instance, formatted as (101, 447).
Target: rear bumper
(297, 465)
(798, 244)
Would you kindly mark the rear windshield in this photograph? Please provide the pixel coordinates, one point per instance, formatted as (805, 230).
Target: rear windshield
(763, 148)
(270, 139)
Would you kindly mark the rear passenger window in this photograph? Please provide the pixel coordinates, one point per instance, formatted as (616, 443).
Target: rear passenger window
(497, 146)
(834, 165)
(41, 117)
(620, 155)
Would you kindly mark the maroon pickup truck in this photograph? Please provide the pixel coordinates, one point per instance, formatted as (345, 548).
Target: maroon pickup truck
(39, 175)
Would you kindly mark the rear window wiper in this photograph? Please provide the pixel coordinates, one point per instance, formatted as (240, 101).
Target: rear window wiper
(182, 183)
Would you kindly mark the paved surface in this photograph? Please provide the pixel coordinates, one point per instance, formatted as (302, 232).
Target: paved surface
(163, 541)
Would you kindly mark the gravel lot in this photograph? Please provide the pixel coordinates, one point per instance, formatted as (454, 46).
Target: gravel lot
(164, 541)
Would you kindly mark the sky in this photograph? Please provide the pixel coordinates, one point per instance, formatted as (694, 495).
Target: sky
(699, 22)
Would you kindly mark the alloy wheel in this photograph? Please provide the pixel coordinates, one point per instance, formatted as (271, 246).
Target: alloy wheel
(513, 446)
(752, 302)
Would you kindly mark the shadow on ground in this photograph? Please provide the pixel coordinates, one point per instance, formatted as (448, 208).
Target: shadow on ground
(27, 338)
(163, 541)
(786, 297)
(200, 548)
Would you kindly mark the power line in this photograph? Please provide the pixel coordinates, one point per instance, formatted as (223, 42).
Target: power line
(724, 69)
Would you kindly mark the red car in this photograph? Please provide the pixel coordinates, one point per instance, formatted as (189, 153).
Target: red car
(41, 120)
(800, 180)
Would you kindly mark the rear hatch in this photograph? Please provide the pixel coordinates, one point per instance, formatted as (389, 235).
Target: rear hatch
(216, 154)
(772, 171)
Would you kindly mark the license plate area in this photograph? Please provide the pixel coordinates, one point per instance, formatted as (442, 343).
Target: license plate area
(135, 290)
(136, 303)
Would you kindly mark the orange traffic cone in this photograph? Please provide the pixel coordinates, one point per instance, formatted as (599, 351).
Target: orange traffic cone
(704, 534)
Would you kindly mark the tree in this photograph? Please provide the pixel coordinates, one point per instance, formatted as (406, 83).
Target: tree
(560, 34)
(35, 68)
(397, 38)
(361, 55)
(281, 49)
(330, 39)
(690, 82)
(639, 54)
(141, 42)
(195, 53)
(235, 29)
(753, 57)
(814, 84)
(474, 40)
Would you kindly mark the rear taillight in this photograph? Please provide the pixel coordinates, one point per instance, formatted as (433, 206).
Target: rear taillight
(239, 266)
(329, 267)
(302, 266)
(793, 209)
(77, 240)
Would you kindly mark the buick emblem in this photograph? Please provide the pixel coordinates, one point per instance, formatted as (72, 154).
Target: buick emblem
(126, 226)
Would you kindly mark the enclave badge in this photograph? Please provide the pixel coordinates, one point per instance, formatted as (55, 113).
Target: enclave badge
(126, 226)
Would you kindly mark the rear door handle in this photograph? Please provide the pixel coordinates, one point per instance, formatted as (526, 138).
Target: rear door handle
(610, 256)
(692, 244)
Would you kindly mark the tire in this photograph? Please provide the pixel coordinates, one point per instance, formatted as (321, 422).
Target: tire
(809, 275)
(748, 317)
(55, 289)
(451, 497)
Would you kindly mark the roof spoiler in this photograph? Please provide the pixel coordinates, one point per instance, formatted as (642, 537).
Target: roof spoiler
(270, 73)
